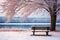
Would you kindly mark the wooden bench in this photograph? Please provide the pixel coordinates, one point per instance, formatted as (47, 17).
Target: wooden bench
(40, 29)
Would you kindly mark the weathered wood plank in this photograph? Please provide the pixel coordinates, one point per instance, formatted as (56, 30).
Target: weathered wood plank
(40, 28)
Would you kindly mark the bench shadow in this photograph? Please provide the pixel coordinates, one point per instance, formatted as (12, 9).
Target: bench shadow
(40, 35)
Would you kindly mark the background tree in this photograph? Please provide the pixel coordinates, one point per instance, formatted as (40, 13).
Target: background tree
(26, 7)
(53, 9)
(11, 7)
(52, 6)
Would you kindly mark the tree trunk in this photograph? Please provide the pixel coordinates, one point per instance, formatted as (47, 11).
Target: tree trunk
(53, 22)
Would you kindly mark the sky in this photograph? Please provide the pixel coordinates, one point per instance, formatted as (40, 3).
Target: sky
(37, 14)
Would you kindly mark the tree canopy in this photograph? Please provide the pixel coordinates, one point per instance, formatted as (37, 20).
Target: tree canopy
(26, 7)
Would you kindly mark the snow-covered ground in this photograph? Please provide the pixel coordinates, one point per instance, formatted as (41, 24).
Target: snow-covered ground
(26, 35)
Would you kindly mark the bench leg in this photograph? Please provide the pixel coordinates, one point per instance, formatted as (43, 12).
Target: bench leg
(33, 32)
(47, 33)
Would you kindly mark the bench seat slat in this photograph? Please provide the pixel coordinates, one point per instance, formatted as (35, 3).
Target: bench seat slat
(40, 31)
(40, 28)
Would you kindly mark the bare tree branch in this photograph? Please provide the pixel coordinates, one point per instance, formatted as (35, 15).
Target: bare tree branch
(58, 9)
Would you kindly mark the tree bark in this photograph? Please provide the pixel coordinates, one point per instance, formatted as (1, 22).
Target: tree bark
(53, 22)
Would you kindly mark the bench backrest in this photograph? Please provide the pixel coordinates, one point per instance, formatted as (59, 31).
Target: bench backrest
(40, 28)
